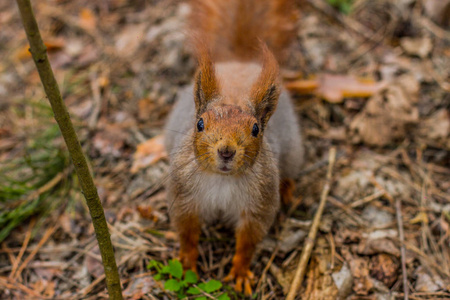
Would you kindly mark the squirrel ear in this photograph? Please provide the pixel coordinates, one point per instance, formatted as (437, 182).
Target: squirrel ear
(206, 87)
(266, 90)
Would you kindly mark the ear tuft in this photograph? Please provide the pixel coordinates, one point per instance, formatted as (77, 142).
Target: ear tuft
(206, 86)
(266, 90)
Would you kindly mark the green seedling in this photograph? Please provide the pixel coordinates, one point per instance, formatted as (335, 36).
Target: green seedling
(187, 285)
(344, 6)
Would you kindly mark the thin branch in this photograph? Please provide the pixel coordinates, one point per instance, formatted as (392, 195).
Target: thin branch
(398, 208)
(310, 240)
(39, 54)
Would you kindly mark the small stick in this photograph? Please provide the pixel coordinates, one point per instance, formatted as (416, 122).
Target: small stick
(62, 117)
(269, 263)
(24, 247)
(48, 233)
(310, 240)
(401, 235)
(398, 208)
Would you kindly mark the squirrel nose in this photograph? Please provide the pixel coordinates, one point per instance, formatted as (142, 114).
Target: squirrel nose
(226, 154)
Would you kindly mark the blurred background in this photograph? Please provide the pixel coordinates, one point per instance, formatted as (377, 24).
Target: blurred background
(370, 77)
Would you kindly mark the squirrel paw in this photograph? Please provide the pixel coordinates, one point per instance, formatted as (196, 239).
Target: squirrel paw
(240, 278)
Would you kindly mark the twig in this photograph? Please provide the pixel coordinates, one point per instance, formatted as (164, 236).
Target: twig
(48, 233)
(39, 54)
(398, 208)
(11, 284)
(204, 293)
(23, 249)
(310, 240)
(97, 104)
(269, 263)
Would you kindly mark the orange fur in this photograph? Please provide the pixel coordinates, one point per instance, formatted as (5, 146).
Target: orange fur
(188, 227)
(287, 188)
(206, 85)
(247, 237)
(236, 89)
(227, 126)
(232, 28)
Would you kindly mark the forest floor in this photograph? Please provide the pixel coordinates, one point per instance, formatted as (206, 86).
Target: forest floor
(373, 83)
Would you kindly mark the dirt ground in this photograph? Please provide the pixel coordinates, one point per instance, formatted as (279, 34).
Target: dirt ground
(373, 83)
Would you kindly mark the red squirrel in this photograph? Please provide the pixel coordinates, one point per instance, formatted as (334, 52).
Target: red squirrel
(233, 137)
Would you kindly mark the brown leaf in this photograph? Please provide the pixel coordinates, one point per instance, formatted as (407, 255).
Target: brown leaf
(52, 45)
(436, 128)
(146, 212)
(420, 47)
(359, 267)
(87, 19)
(334, 88)
(383, 120)
(384, 267)
(148, 153)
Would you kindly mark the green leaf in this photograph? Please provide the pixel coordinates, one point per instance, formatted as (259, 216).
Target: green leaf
(193, 291)
(181, 295)
(157, 277)
(346, 8)
(190, 277)
(224, 297)
(153, 264)
(165, 270)
(212, 285)
(175, 268)
(201, 298)
(172, 285)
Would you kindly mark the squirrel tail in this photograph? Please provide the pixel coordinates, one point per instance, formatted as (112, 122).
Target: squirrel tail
(234, 29)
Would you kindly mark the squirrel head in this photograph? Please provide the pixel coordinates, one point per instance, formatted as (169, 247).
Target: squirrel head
(228, 138)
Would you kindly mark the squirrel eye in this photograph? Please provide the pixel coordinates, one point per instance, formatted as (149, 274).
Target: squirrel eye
(200, 125)
(255, 130)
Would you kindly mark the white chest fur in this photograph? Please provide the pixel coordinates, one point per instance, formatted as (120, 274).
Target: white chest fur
(221, 197)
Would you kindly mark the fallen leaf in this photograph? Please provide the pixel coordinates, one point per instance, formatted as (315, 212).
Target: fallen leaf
(146, 212)
(384, 267)
(420, 47)
(386, 115)
(110, 140)
(343, 281)
(436, 128)
(359, 266)
(52, 45)
(427, 283)
(334, 88)
(139, 287)
(87, 19)
(130, 39)
(421, 217)
(148, 153)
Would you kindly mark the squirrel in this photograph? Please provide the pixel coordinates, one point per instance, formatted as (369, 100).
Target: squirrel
(233, 138)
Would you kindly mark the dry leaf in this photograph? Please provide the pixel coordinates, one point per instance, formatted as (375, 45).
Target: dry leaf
(384, 267)
(420, 47)
(146, 212)
(52, 45)
(426, 282)
(334, 88)
(128, 41)
(343, 281)
(148, 153)
(383, 120)
(436, 128)
(87, 19)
